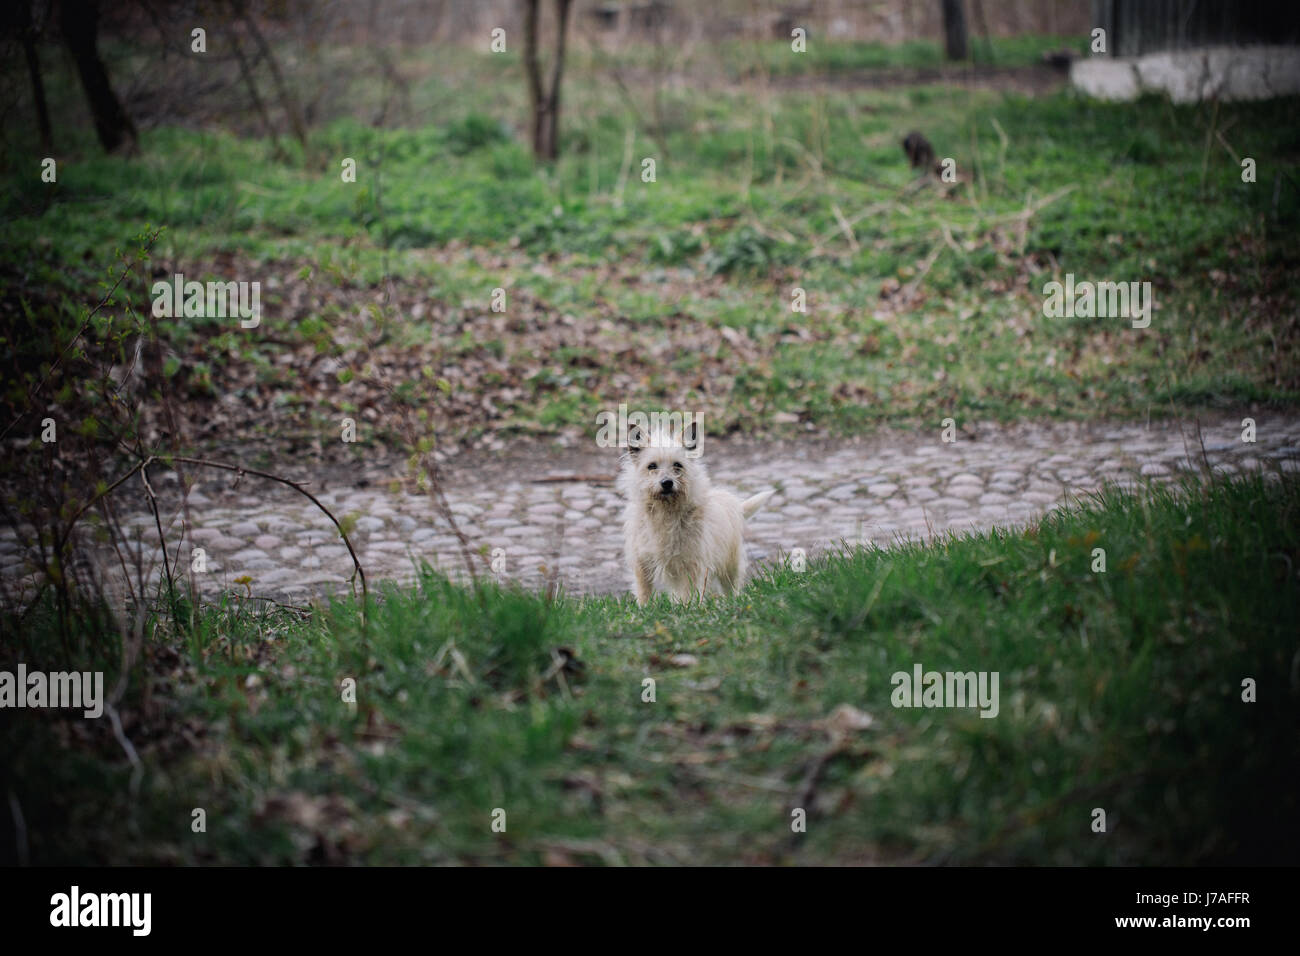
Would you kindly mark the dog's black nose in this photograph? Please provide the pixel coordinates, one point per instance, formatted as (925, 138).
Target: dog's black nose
(666, 484)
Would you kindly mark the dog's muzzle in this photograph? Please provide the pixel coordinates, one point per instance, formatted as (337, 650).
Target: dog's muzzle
(667, 488)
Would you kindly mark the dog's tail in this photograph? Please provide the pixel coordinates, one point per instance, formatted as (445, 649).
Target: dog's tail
(749, 507)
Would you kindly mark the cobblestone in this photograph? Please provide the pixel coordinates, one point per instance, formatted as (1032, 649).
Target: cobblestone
(872, 490)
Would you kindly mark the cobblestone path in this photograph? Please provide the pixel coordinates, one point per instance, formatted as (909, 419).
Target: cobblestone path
(880, 488)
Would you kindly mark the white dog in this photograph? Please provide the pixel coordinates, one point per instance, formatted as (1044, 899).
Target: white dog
(681, 535)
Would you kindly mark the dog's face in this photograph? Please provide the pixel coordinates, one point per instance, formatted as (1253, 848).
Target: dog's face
(658, 468)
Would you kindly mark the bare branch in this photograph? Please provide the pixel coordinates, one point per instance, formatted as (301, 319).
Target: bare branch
(298, 487)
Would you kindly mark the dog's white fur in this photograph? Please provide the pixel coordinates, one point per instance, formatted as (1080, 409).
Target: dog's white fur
(680, 534)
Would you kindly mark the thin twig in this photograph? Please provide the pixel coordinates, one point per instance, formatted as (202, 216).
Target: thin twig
(240, 470)
(561, 478)
(162, 538)
(808, 789)
(296, 486)
(20, 829)
(137, 768)
(845, 227)
(305, 611)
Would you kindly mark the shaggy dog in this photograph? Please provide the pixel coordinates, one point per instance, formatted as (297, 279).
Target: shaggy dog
(681, 535)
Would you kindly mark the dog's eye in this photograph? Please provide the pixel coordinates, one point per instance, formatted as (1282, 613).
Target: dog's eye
(651, 467)
(677, 466)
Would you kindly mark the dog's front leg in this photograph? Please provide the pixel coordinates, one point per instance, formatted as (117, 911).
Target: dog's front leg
(645, 582)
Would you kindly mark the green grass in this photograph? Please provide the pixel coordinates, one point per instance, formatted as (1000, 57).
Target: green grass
(1119, 690)
(750, 189)
(829, 58)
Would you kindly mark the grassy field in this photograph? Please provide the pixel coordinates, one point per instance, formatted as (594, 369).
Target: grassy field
(1119, 690)
(921, 302)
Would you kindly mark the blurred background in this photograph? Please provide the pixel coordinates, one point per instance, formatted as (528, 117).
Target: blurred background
(776, 133)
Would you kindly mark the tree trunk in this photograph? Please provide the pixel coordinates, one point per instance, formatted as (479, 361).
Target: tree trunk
(532, 72)
(552, 138)
(954, 30)
(287, 100)
(246, 72)
(80, 22)
(544, 103)
(38, 93)
(22, 25)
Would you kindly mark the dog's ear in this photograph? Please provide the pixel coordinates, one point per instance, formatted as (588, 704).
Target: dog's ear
(691, 436)
(635, 439)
